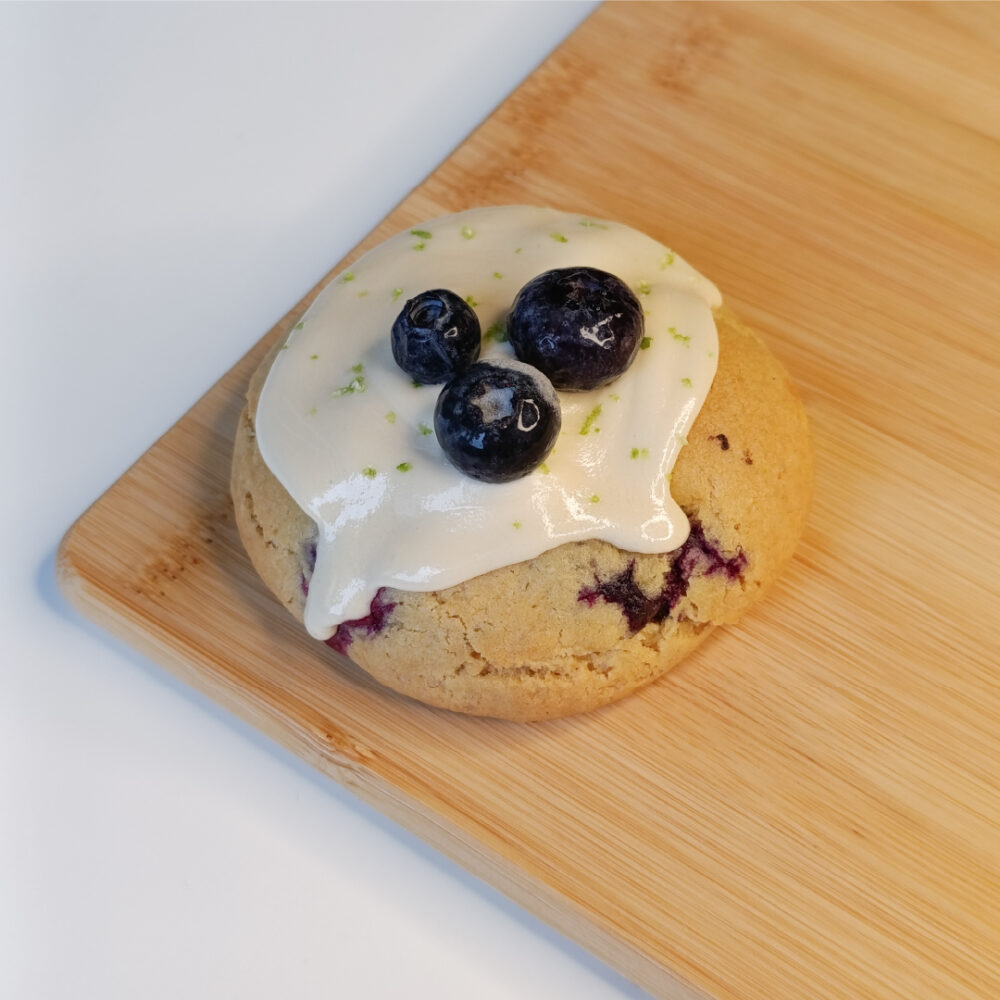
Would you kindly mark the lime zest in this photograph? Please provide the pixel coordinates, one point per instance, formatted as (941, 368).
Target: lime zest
(424, 429)
(468, 232)
(680, 337)
(368, 472)
(594, 498)
(422, 233)
(471, 300)
(357, 384)
(644, 288)
(396, 292)
(686, 382)
(496, 331)
(390, 417)
(588, 424)
(346, 276)
(593, 225)
(404, 466)
(666, 260)
(645, 343)
(559, 238)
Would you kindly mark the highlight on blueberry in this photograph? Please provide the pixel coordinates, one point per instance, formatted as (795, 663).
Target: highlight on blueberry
(435, 336)
(497, 420)
(579, 325)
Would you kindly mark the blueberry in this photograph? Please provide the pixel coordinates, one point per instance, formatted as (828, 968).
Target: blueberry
(579, 325)
(497, 420)
(435, 336)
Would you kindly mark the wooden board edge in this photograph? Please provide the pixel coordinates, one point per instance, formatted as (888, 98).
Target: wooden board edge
(434, 829)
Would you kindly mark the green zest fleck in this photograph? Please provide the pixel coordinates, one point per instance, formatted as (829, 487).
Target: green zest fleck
(471, 299)
(518, 250)
(711, 354)
(313, 357)
(468, 232)
(644, 288)
(390, 417)
(396, 292)
(362, 293)
(357, 384)
(497, 332)
(404, 467)
(645, 343)
(517, 524)
(666, 260)
(559, 237)
(595, 498)
(543, 469)
(416, 384)
(588, 424)
(498, 275)
(368, 472)
(640, 453)
(592, 224)
(424, 429)
(301, 323)
(686, 382)
(284, 346)
(672, 330)
(615, 396)
(422, 233)
(311, 411)
(347, 276)
(419, 246)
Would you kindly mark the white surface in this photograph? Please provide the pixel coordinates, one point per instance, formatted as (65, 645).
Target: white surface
(172, 178)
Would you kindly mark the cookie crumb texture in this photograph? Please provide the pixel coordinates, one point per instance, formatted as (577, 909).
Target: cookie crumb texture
(584, 624)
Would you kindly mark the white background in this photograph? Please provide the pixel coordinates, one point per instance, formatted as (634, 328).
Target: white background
(172, 179)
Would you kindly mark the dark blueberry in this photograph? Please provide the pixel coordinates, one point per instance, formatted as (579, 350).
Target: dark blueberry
(435, 336)
(378, 615)
(579, 325)
(497, 420)
(698, 556)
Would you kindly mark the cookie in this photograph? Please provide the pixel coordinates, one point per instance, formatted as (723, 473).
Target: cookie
(584, 623)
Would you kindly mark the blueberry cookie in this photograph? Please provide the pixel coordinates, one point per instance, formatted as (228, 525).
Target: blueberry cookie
(671, 492)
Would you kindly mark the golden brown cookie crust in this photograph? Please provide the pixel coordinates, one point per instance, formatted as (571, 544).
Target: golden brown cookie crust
(552, 636)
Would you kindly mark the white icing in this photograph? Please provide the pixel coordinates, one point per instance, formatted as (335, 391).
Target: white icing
(347, 441)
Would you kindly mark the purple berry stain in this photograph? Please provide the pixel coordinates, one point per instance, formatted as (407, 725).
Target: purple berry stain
(373, 623)
(696, 556)
(309, 564)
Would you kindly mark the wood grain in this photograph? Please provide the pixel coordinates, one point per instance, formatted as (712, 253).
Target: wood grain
(810, 806)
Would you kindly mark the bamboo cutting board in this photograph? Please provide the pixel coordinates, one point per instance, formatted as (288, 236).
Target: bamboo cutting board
(810, 806)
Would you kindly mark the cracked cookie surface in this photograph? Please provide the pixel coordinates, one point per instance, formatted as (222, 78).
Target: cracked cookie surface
(583, 624)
